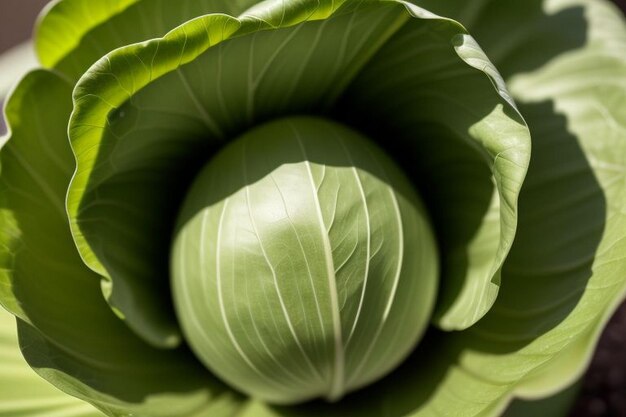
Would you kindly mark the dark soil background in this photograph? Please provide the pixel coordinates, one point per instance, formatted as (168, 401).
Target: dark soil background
(603, 392)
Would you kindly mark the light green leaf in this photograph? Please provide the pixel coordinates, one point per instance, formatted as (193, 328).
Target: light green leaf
(137, 147)
(141, 131)
(73, 34)
(63, 24)
(69, 334)
(466, 150)
(23, 393)
(588, 90)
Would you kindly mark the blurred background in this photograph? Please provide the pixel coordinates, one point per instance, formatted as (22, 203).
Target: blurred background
(603, 389)
(16, 20)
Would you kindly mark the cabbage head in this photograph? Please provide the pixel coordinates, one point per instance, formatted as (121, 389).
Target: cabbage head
(311, 208)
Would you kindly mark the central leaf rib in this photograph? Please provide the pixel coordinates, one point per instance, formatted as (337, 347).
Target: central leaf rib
(337, 379)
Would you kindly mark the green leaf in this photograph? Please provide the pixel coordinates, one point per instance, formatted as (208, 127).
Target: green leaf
(466, 149)
(23, 393)
(69, 334)
(63, 24)
(73, 34)
(588, 90)
(140, 132)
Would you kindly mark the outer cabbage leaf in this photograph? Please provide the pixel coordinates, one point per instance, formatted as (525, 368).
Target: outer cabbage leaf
(22, 392)
(64, 23)
(73, 34)
(146, 175)
(67, 332)
(140, 130)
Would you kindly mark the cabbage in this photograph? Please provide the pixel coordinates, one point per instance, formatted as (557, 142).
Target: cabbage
(311, 207)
